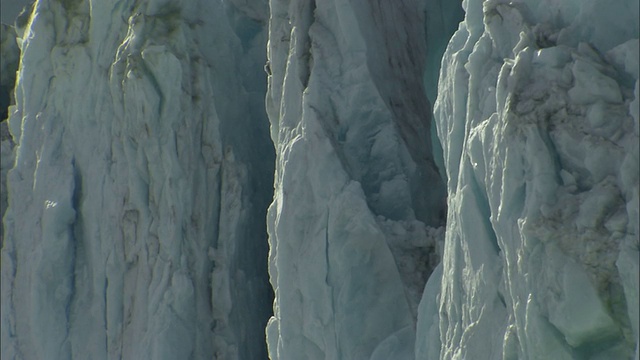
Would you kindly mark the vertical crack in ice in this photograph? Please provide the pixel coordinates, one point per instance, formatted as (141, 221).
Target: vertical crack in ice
(485, 212)
(304, 19)
(154, 83)
(75, 237)
(328, 282)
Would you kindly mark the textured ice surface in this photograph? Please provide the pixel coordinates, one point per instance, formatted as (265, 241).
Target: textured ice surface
(537, 112)
(135, 226)
(142, 172)
(357, 194)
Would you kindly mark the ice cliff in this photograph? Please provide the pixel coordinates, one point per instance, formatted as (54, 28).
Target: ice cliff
(135, 222)
(358, 203)
(142, 166)
(537, 112)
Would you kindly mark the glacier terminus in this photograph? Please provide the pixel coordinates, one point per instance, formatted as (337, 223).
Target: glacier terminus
(320, 179)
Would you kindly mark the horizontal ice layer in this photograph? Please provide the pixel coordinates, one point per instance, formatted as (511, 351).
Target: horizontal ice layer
(537, 111)
(143, 163)
(357, 194)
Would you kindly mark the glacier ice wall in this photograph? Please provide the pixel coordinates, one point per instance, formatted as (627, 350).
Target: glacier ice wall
(358, 200)
(537, 112)
(143, 169)
(135, 226)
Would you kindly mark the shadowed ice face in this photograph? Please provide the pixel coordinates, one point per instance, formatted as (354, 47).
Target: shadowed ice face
(9, 10)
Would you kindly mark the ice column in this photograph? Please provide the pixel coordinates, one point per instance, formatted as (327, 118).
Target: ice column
(358, 199)
(143, 167)
(537, 112)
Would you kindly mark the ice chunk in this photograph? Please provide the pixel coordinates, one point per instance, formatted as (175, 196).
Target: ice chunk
(399, 346)
(428, 326)
(556, 56)
(629, 267)
(580, 314)
(591, 85)
(625, 58)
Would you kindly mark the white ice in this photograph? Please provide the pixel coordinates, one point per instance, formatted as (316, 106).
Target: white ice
(358, 200)
(142, 169)
(537, 112)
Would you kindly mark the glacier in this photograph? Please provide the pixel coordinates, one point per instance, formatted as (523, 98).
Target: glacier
(537, 112)
(306, 179)
(132, 229)
(359, 202)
